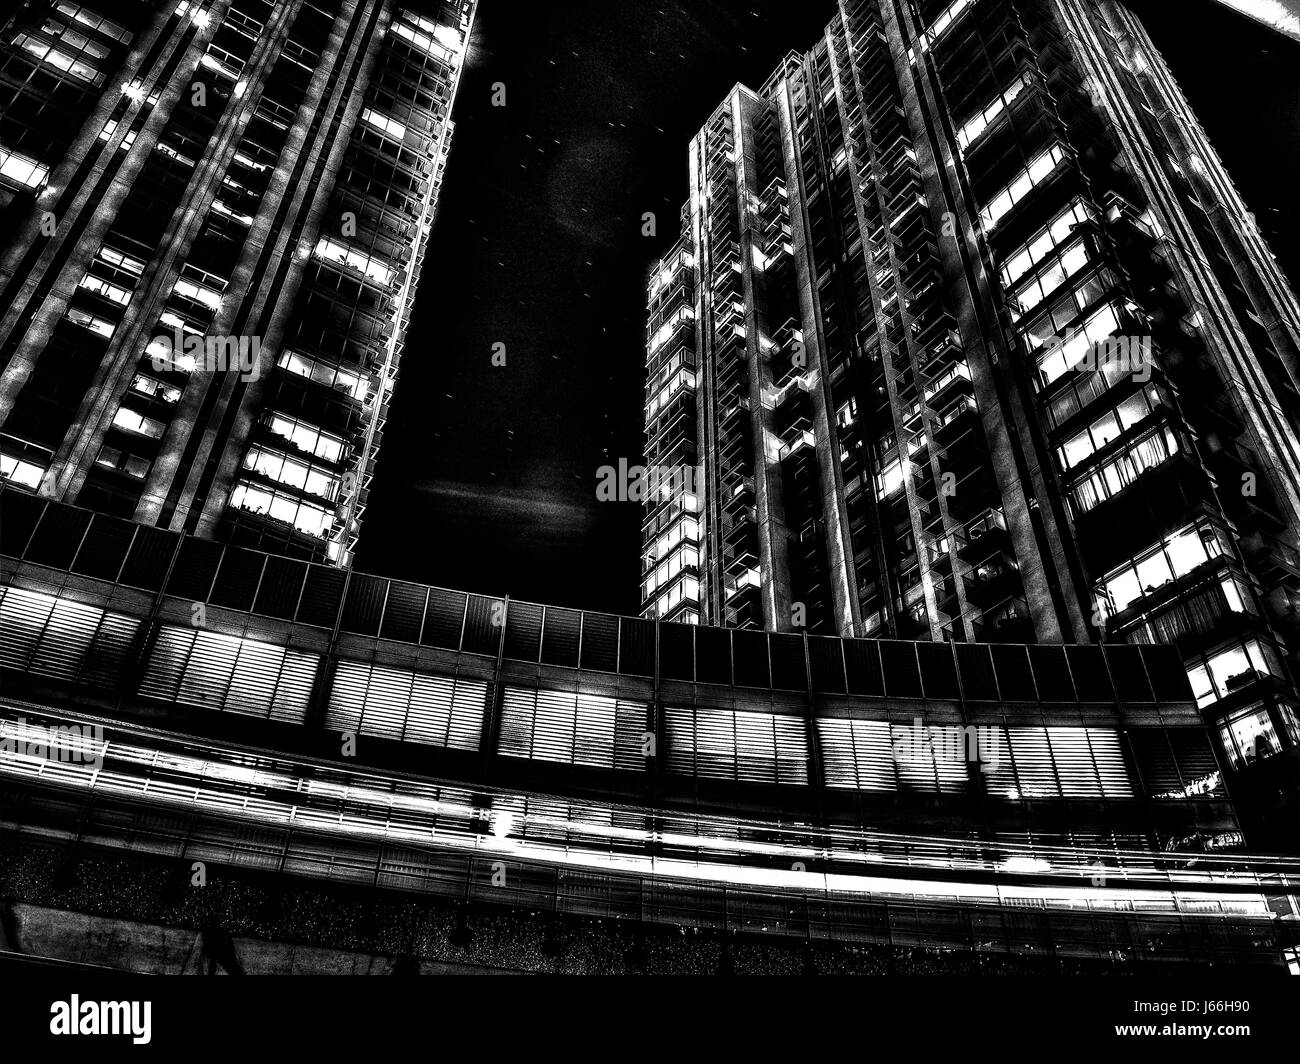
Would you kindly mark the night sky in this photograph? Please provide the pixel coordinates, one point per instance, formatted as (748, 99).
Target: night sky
(486, 477)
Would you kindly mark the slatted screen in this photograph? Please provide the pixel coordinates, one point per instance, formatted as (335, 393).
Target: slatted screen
(857, 755)
(737, 745)
(572, 728)
(62, 639)
(1176, 763)
(936, 763)
(1061, 763)
(230, 674)
(875, 755)
(408, 706)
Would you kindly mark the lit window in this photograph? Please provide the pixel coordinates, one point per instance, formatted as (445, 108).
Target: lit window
(975, 128)
(198, 293)
(244, 160)
(292, 472)
(685, 380)
(941, 25)
(687, 557)
(154, 389)
(86, 320)
(17, 471)
(306, 517)
(1109, 427)
(109, 291)
(221, 208)
(307, 437)
(891, 478)
(59, 59)
(19, 168)
(163, 355)
(1122, 470)
(128, 420)
(332, 251)
(687, 589)
(222, 62)
(438, 40)
(336, 377)
(73, 39)
(110, 128)
(122, 262)
(1230, 669)
(1062, 356)
(408, 33)
(94, 20)
(670, 326)
(384, 124)
(1057, 232)
(1248, 736)
(172, 153)
(684, 528)
(1039, 168)
(1055, 271)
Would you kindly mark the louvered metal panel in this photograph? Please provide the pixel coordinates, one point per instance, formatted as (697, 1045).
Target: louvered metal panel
(65, 640)
(631, 727)
(108, 653)
(736, 745)
(61, 639)
(444, 617)
(404, 612)
(568, 728)
(23, 617)
(412, 707)
(230, 674)
(1155, 760)
(1112, 768)
(857, 754)
(104, 549)
(1074, 764)
(1032, 756)
(599, 642)
(563, 727)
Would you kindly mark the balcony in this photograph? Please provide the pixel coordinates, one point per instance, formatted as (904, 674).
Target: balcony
(986, 535)
(992, 581)
(1274, 562)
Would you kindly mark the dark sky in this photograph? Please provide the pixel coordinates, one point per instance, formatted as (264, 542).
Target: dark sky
(486, 477)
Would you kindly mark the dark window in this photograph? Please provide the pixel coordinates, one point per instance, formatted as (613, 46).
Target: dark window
(523, 631)
(1015, 680)
(788, 670)
(713, 655)
(443, 618)
(902, 671)
(599, 642)
(1090, 676)
(676, 651)
(752, 669)
(938, 671)
(976, 666)
(826, 659)
(864, 672)
(403, 612)
(636, 647)
(104, 549)
(560, 637)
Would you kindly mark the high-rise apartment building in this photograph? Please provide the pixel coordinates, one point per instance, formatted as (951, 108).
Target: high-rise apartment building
(975, 340)
(213, 216)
